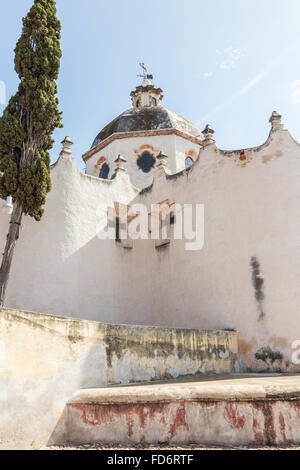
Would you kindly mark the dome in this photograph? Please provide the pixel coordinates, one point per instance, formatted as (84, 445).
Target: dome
(147, 114)
(147, 119)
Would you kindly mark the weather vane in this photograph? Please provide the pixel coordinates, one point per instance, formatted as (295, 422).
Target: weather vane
(145, 75)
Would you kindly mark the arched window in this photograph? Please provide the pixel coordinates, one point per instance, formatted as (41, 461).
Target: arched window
(188, 163)
(146, 162)
(138, 103)
(104, 172)
(154, 102)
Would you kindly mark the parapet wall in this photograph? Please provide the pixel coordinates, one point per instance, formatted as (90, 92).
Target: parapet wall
(44, 360)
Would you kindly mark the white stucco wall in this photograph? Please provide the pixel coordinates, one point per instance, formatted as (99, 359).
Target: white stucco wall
(252, 222)
(175, 147)
(58, 262)
(251, 216)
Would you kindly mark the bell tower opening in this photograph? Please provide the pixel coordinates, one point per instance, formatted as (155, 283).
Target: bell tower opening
(146, 95)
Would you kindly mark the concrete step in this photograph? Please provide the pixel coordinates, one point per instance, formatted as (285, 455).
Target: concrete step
(228, 410)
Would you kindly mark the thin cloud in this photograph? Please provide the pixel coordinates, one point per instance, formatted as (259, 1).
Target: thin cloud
(208, 74)
(232, 56)
(253, 83)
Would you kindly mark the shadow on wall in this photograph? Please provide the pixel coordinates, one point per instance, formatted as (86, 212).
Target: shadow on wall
(124, 288)
(45, 360)
(90, 373)
(265, 353)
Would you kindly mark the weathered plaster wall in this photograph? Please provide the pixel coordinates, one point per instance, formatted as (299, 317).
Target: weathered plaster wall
(247, 276)
(44, 360)
(239, 422)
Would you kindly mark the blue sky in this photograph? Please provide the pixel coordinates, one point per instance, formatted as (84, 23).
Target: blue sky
(229, 63)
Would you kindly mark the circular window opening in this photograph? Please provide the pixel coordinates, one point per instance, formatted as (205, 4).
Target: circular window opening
(188, 163)
(104, 172)
(146, 162)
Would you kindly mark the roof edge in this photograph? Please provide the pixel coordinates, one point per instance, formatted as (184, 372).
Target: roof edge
(125, 135)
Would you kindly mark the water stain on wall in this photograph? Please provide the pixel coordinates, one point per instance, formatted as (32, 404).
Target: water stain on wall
(269, 356)
(266, 158)
(258, 284)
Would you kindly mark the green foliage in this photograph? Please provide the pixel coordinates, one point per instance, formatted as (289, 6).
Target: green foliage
(32, 115)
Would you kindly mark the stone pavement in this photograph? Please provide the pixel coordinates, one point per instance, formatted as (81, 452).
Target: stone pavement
(191, 448)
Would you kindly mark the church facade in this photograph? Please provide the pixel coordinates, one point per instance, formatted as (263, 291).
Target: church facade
(244, 277)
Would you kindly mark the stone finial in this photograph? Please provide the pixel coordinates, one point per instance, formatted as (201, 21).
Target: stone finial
(7, 207)
(275, 120)
(120, 163)
(162, 161)
(146, 83)
(208, 133)
(66, 147)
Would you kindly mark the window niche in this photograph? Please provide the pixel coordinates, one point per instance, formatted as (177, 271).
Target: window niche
(118, 220)
(104, 172)
(188, 163)
(146, 162)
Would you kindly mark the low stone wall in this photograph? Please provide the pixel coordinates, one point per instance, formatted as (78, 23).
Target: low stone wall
(258, 422)
(254, 410)
(44, 360)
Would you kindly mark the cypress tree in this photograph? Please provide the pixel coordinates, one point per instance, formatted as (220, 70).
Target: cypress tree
(28, 122)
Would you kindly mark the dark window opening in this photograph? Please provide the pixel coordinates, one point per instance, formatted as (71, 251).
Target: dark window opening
(146, 162)
(118, 230)
(138, 103)
(104, 172)
(188, 163)
(154, 102)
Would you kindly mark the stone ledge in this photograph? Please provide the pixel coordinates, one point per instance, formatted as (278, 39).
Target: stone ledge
(239, 387)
